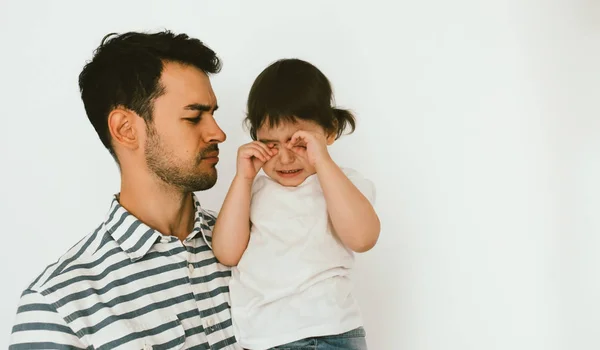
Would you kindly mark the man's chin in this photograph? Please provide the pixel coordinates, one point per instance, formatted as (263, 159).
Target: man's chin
(205, 187)
(207, 182)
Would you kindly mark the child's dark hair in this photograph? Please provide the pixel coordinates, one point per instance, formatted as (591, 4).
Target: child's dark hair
(290, 89)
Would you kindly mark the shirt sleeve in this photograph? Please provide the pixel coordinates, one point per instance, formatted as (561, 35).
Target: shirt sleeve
(259, 182)
(364, 185)
(39, 326)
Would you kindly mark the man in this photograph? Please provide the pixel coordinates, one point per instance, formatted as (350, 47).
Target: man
(146, 276)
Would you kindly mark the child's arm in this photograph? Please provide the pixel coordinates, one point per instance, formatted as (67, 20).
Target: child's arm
(353, 217)
(231, 233)
(232, 228)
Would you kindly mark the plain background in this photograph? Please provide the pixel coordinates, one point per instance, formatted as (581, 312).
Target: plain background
(478, 122)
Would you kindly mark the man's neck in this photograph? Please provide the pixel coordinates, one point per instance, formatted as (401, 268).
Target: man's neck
(163, 208)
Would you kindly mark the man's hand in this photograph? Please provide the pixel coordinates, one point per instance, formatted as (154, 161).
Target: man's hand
(251, 157)
(311, 145)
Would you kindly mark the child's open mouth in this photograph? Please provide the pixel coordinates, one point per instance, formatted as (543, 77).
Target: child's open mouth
(288, 173)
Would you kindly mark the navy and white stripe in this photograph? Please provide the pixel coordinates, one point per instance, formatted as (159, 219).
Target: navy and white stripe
(126, 286)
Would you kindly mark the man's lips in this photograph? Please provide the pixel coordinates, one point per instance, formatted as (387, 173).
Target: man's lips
(211, 156)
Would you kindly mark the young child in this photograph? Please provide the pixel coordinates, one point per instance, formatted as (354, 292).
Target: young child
(291, 234)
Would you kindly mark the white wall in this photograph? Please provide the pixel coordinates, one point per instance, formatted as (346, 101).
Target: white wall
(478, 121)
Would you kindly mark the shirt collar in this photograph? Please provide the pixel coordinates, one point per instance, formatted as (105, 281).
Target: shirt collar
(135, 237)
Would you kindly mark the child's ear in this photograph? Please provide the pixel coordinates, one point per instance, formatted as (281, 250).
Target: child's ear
(331, 138)
(332, 134)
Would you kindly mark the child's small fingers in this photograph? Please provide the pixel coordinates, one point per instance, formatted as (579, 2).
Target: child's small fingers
(264, 147)
(261, 157)
(265, 150)
(264, 156)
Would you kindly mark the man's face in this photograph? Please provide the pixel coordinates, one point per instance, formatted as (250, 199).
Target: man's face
(182, 140)
(287, 167)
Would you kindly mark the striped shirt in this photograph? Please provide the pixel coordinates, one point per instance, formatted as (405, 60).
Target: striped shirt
(127, 286)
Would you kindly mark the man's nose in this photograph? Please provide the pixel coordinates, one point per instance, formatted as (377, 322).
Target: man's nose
(212, 133)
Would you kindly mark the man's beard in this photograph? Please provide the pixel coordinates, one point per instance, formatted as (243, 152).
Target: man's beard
(167, 167)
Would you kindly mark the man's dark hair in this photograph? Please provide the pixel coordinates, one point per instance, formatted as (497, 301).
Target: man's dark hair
(126, 69)
(291, 89)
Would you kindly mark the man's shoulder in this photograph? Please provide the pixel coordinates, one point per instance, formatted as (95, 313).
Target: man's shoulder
(77, 254)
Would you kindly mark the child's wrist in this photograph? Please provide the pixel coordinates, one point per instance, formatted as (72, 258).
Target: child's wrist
(238, 178)
(324, 164)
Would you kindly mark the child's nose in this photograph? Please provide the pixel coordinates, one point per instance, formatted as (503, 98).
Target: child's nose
(286, 156)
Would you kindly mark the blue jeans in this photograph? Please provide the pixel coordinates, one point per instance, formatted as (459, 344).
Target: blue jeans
(352, 340)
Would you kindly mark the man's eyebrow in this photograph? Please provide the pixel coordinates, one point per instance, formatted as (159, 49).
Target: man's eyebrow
(201, 107)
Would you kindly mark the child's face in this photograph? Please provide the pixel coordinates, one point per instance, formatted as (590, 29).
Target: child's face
(287, 167)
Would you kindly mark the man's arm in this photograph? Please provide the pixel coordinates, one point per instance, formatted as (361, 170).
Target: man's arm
(39, 326)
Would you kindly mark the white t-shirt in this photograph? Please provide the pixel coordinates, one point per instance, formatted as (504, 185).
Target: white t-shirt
(293, 281)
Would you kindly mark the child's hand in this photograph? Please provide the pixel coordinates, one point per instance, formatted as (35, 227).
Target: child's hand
(312, 145)
(251, 157)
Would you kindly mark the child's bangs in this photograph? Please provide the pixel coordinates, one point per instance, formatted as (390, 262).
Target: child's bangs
(286, 91)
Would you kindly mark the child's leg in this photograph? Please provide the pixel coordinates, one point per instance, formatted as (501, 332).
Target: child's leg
(352, 340)
(304, 344)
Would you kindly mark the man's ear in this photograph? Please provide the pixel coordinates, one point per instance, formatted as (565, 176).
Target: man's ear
(122, 127)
